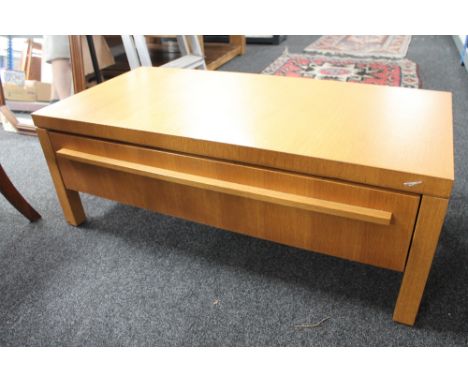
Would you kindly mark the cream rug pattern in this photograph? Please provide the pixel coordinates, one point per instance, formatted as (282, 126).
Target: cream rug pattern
(379, 46)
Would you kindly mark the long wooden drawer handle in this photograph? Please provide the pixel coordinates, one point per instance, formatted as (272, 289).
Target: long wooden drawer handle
(257, 193)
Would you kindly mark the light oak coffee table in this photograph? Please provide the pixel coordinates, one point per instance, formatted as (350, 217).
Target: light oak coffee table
(356, 171)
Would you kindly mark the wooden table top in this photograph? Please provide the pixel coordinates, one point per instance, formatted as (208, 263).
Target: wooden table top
(378, 135)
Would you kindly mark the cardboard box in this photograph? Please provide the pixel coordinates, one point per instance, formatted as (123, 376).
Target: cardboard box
(18, 93)
(42, 90)
(16, 77)
(31, 91)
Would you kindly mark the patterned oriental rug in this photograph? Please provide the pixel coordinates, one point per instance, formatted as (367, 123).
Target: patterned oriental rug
(402, 73)
(380, 46)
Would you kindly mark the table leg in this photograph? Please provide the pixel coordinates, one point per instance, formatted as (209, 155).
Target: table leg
(426, 236)
(2, 95)
(69, 199)
(15, 198)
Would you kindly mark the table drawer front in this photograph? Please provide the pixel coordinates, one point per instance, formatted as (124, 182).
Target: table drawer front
(355, 222)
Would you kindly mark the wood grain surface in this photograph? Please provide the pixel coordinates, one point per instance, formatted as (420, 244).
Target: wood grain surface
(385, 136)
(232, 188)
(426, 236)
(69, 199)
(252, 207)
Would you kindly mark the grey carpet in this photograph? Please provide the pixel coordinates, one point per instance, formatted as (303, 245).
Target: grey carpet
(132, 277)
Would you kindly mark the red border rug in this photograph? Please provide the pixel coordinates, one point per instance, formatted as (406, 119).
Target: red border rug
(380, 46)
(403, 73)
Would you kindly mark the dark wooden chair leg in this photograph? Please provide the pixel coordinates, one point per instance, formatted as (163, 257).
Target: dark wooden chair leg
(15, 198)
(2, 95)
